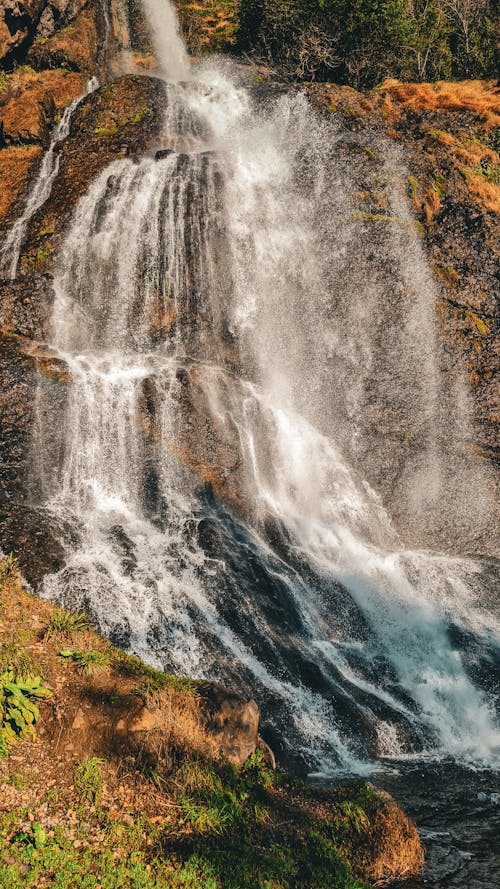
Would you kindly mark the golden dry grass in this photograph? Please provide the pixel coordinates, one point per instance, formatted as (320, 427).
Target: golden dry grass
(16, 165)
(78, 41)
(398, 848)
(479, 96)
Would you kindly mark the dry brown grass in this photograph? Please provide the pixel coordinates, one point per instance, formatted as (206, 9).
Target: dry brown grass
(484, 192)
(479, 96)
(16, 166)
(78, 41)
(398, 848)
(471, 153)
(29, 100)
(431, 204)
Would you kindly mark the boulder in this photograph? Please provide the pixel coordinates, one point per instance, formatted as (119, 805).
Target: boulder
(232, 720)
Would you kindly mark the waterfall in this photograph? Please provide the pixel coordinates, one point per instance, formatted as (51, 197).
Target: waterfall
(40, 188)
(229, 334)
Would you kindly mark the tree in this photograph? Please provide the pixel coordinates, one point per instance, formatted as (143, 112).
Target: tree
(463, 15)
(428, 45)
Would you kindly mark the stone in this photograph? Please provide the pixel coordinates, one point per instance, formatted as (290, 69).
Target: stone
(232, 720)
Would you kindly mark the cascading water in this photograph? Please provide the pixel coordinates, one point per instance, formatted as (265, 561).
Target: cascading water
(41, 188)
(222, 339)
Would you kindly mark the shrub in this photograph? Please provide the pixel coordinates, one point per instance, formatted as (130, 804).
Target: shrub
(65, 624)
(91, 662)
(18, 712)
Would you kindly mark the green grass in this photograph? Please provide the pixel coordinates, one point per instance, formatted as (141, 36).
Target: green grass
(88, 780)
(93, 662)
(152, 681)
(65, 623)
(138, 856)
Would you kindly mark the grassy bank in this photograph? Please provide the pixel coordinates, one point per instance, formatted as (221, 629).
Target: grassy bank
(97, 792)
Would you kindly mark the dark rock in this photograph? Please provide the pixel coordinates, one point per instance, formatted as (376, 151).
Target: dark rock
(163, 152)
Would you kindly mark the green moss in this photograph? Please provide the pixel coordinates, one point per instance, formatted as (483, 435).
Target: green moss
(413, 185)
(482, 325)
(110, 130)
(489, 171)
(48, 230)
(373, 217)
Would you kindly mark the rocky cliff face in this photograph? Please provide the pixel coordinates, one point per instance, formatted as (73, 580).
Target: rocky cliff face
(62, 46)
(447, 134)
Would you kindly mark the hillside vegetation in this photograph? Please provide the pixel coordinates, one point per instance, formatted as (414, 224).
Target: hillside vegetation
(358, 42)
(112, 775)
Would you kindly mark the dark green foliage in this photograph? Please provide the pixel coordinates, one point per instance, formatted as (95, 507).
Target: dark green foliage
(18, 712)
(361, 42)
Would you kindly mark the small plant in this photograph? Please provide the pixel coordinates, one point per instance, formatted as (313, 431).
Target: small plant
(195, 777)
(93, 662)
(351, 816)
(8, 567)
(65, 623)
(88, 780)
(18, 712)
(258, 771)
(16, 779)
(14, 657)
(216, 816)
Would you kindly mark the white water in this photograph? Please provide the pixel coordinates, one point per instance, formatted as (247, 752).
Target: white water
(40, 189)
(198, 304)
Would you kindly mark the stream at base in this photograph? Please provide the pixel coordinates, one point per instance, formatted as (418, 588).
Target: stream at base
(457, 812)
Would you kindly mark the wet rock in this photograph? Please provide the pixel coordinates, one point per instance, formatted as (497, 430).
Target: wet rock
(125, 113)
(163, 152)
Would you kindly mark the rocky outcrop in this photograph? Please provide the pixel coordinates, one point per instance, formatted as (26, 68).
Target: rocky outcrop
(24, 22)
(122, 118)
(30, 103)
(232, 720)
(451, 135)
(19, 20)
(75, 47)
